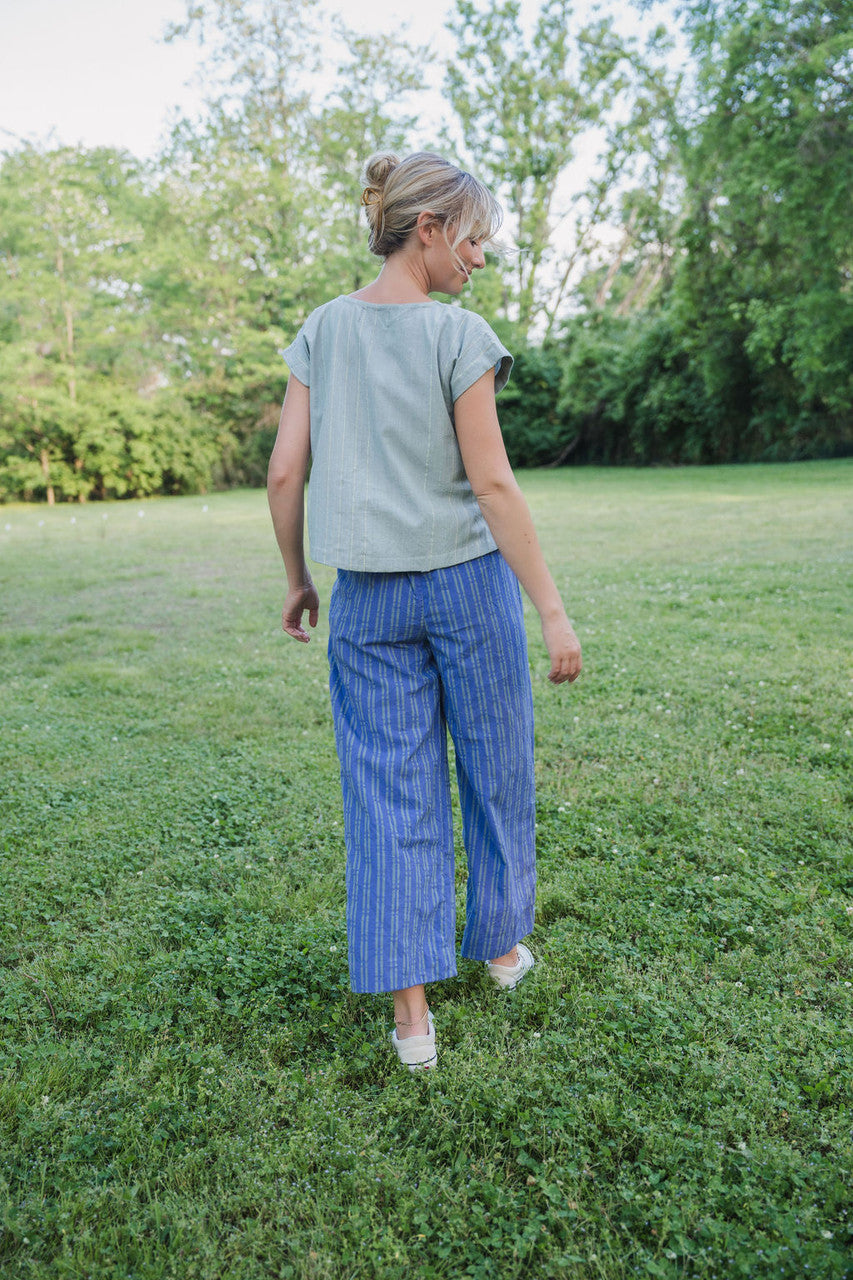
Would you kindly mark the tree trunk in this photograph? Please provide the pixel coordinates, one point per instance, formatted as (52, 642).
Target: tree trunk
(627, 236)
(642, 286)
(69, 339)
(44, 459)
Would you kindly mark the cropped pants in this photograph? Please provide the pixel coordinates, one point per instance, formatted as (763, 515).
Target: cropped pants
(412, 655)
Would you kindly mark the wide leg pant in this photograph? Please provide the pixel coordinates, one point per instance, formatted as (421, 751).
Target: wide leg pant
(411, 655)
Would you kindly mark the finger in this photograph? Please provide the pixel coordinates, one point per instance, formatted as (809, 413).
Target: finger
(293, 627)
(314, 615)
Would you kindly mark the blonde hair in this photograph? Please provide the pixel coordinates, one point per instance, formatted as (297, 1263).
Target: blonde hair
(397, 191)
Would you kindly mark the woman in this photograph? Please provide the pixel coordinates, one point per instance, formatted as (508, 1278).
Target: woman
(412, 499)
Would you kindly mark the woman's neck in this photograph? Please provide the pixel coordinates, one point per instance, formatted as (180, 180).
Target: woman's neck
(402, 279)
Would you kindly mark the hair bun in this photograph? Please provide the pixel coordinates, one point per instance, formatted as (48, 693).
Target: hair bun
(397, 192)
(377, 169)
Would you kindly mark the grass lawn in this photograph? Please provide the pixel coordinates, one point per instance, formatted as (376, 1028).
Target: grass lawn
(188, 1087)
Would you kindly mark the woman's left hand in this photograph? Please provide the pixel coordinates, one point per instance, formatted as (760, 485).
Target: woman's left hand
(296, 602)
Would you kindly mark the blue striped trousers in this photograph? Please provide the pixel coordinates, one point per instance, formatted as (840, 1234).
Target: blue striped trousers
(412, 655)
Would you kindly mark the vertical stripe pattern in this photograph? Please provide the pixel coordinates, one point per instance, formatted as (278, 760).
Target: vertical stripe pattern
(412, 655)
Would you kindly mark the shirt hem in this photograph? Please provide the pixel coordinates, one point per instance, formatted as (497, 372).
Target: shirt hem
(395, 566)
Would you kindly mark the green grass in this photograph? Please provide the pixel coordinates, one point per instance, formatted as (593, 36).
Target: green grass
(189, 1089)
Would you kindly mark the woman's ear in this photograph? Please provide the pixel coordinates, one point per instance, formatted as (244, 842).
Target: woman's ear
(426, 225)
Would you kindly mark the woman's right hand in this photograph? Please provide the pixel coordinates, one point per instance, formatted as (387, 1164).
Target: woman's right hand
(563, 647)
(296, 602)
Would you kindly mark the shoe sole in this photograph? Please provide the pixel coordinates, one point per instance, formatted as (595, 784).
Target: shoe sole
(429, 1065)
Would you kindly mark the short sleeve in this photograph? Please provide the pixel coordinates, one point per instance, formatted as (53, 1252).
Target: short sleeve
(298, 357)
(480, 349)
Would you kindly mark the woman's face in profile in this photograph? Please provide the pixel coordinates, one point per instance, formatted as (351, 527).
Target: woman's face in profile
(449, 270)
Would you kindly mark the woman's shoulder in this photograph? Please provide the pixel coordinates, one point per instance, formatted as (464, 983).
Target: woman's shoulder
(324, 322)
(471, 330)
(325, 309)
(467, 324)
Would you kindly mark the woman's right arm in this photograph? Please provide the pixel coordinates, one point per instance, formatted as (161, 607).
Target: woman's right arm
(510, 522)
(286, 477)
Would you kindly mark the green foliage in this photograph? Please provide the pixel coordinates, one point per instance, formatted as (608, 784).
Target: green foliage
(188, 1089)
(692, 283)
(524, 106)
(743, 351)
(764, 283)
(363, 115)
(108, 443)
(283, 231)
(73, 362)
(162, 371)
(534, 431)
(637, 391)
(631, 395)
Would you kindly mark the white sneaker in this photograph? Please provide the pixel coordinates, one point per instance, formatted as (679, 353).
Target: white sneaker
(418, 1053)
(509, 976)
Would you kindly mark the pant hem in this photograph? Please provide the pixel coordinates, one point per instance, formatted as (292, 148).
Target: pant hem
(407, 981)
(499, 950)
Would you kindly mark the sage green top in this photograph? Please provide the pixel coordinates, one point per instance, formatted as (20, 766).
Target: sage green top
(388, 491)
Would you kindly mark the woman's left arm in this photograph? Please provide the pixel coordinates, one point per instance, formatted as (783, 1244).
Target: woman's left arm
(508, 516)
(286, 477)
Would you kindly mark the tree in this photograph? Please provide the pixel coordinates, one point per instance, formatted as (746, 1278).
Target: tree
(86, 409)
(526, 108)
(365, 112)
(724, 332)
(68, 233)
(261, 203)
(765, 286)
(260, 54)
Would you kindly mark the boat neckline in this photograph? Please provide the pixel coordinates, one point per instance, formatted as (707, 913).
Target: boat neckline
(365, 302)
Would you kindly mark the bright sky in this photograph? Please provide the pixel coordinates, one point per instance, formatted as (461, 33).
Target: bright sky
(97, 72)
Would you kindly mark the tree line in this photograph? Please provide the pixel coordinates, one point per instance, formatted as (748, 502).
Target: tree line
(676, 284)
